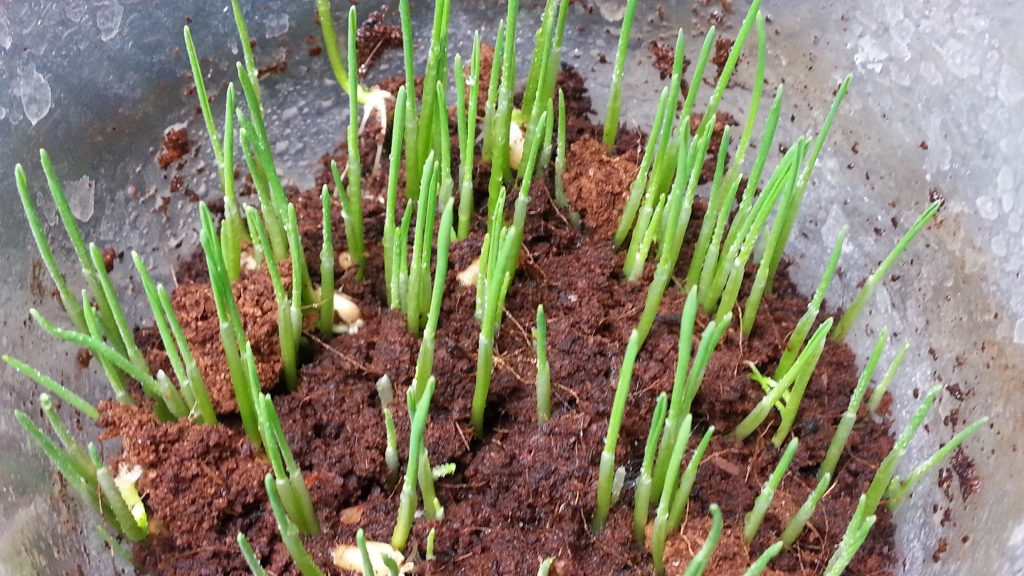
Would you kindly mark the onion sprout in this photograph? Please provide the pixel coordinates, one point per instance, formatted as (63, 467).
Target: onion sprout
(186, 371)
(797, 522)
(326, 319)
(561, 201)
(407, 502)
(431, 537)
(540, 343)
(879, 392)
(849, 418)
(287, 475)
(386, 395)
(752, 520)
(879, 274)
(611, 439)
(762, 561)
(700, 560)
(882, 480)
(466, 114)
(290, 532)
(801, 188)
(250, 556)
(67, 298)
(232, 334)
(611, 121)
(803, 326)
(54, 387)
(131, 528)
(661, 517)
(107, 324)
(642, 498)
(856, 533)
(499, 257)
(686, 482)
(502, 117)
(425, 358)
(805, 362)
(898, 491)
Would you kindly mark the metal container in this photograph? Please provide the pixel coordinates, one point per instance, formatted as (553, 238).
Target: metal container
(931, 111)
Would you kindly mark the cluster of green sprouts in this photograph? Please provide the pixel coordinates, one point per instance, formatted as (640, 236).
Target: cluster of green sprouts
(735, 224)
(516, 144)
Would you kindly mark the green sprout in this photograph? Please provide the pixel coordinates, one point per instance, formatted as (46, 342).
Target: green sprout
(204, 102)
(886, 471)
(132, 528)
(790, 403)
(700, 560)
(797, 522)
(611, 122)
(898, 490)
(425, 359)
(431, 537)
(661, 518)
(287, 475)
(733, 177)
(168, 403)
(642, 498)
(803, 326)
(326, 318)
(856, 533)
(78, 455)
(391, 274)
(491, 102)
(289, 307)
(545, 567)
(636, 189)
(502, 117)
(611, 439)
(436, 71)
(364, 553)
(793, 208)
(107, 326)
(373, 99)
(540, 343)
(879, 274)
(762, 561)
(879, 392)
(849, 418)
(687, 380)
(407, 502)
(409, 285)
(54, 387)
(560, 158)
(250, 556)
(252, 72)
(290, 532)
(232, 334)
(352, 198)
(466, 113)
(803, 367)
(386, 395)
(752, 520)
(81, 476)
(67, 298)
(186, 371)
(686, 482)
(114, 375)
(499, 257)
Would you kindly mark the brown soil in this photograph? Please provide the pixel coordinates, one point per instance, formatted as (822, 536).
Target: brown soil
(523, 492)
(374, 36)
(176, 144)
